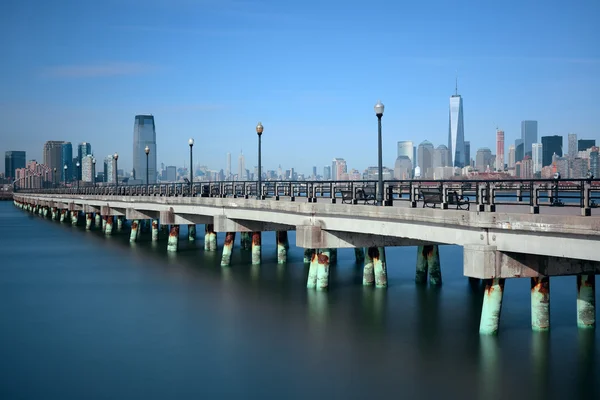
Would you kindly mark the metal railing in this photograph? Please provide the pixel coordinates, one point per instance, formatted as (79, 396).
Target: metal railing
(484, 195)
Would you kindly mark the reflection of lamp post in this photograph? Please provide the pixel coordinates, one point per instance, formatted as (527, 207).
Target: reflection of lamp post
(65, 168)
(259, 131)
(78, 173)
(54, 177)
(191, 143)
(379, 113)
(94, 171)
(116, 157)
(147, 151)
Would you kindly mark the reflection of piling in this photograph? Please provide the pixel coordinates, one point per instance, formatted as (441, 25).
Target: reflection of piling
(586, 301)
(492, 305)
(540, 304)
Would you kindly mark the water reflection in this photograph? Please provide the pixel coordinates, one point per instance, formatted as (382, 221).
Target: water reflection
(489, 367)
(587, 372)
(540, 360)
(374, 308)
(427, 299)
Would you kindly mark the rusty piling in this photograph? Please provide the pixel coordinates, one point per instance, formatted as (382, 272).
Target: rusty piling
(375, 271)
(311, 282)
(540, 303)
(97, 220)
(256, 244)
(109, 225)
(119, 223)
(308, 254)
(586, 301)
(104, 217)
(133, 235)
(63, 214)
(191, 232)
(74, 218)
(282, 238)
(227, 249)
(323, 261)
(210, 238)
(88, 221)
(173, 242)
(154, 230)
(428, 262)
(492, 306)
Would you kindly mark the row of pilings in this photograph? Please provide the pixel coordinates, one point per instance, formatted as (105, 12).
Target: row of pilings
(319, 260)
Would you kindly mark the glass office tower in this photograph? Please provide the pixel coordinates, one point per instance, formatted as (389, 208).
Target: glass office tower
(144, 134)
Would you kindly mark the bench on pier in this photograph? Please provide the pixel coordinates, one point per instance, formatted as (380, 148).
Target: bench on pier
(365, 194)
(432, 197)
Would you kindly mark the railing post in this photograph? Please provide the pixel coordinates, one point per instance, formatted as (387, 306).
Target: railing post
(389, 197)
(480, 196)
(533, 198)
(292, 197)
(413, 194)
(586, 211)
(519, 193)
(444, 190)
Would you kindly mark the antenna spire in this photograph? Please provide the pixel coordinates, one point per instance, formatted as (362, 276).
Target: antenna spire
(456, 84)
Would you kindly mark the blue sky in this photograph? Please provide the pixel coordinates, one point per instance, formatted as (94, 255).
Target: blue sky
(310, 71)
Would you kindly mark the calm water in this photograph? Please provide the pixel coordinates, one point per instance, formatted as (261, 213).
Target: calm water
(89, 317)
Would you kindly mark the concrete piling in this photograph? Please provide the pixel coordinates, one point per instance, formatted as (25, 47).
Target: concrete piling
(88, 221)
(540, 304)
(256, 243)
(368, 270)
(119, 223)
(173, 242)
(375, 271)
(586, 301)
(154, 230)
(133, 235)
(492, 306)
(98, 220)
(74, 218)
(333, 256)
(210, 238)
(191, 232)
(63, 213)
(311, 282)
(103, 222)
(282, 238)
(428, 261)
(109, 225)
(308, 254)
(227, 249)
(323, 260)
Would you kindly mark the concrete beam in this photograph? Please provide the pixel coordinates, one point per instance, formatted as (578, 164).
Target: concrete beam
(109, 211)
(224, 224)
(131, 213)
(315, 237)
(75, 207)
(171, 218)
(90, 209)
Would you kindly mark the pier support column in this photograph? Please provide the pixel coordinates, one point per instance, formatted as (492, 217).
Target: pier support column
(53, 217)
(308, 254)
(97, 220)
(333, 256)
(311, 282)
(375, 271)
(323, 260)
(210, 238)
(227, 249)
(46, 212)
(428, 261)
(586, 301)
(63, 213)
(109, 225)
(173, 242)
(191, 233)
(119, 224)
(492, 305)
(103, 222)
(74, 218)
(540, 304)
(282, 238)
(88, 221)
(133, 235)
(154, 230)
(245, 240)
(359, 254)
(256, 243)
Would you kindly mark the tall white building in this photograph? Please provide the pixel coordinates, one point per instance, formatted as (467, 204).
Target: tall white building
(572, 140)
(456, 131)
(87, 168)
(536, 155)
(242, 168)
(228, 171)
(110, 171)
(511, 156)
(406, 148)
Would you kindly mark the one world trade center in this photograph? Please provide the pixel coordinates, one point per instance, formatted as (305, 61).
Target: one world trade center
(456, 131)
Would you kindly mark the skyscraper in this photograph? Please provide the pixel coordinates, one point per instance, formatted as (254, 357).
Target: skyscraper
(425, 155)
(67, 159)
(511, 156)
(338, 167)
(572, 141)
(519, 150)
(12, 161)
(467, 153)
(483, 159)
(242, 167)
(441, 157)
(53, 156)
(144, 134)
(551, 145)
(584, 144)
(87, 168)
(406, 148)
(529, 135)
(456, 132)
(228, 171)
(326, 173)
(499, 150)
(537, 156)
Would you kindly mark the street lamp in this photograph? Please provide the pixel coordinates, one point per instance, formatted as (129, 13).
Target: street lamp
(116, 157)
(259, 131)
(78, 173)
(65, 168)
(379, 113)
(54, 177)
(191, 143)
(147, 151)
(94, 171)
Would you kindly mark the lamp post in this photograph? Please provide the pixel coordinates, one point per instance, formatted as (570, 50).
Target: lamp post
(147, 151)
(94, 171)
(65, 175)
(191, 143)
(379, 113)
(116, 157)
(78, 173)
(259, 131)
(54, 177)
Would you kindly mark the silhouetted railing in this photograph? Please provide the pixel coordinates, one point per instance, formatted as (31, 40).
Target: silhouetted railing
(482, 195)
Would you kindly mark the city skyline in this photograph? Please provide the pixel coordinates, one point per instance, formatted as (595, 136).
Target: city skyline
(542, 69)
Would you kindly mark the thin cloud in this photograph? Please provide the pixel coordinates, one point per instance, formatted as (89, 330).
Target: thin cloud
(98, 70)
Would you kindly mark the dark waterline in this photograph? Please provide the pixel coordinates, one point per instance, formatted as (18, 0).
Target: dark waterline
(86, 316)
